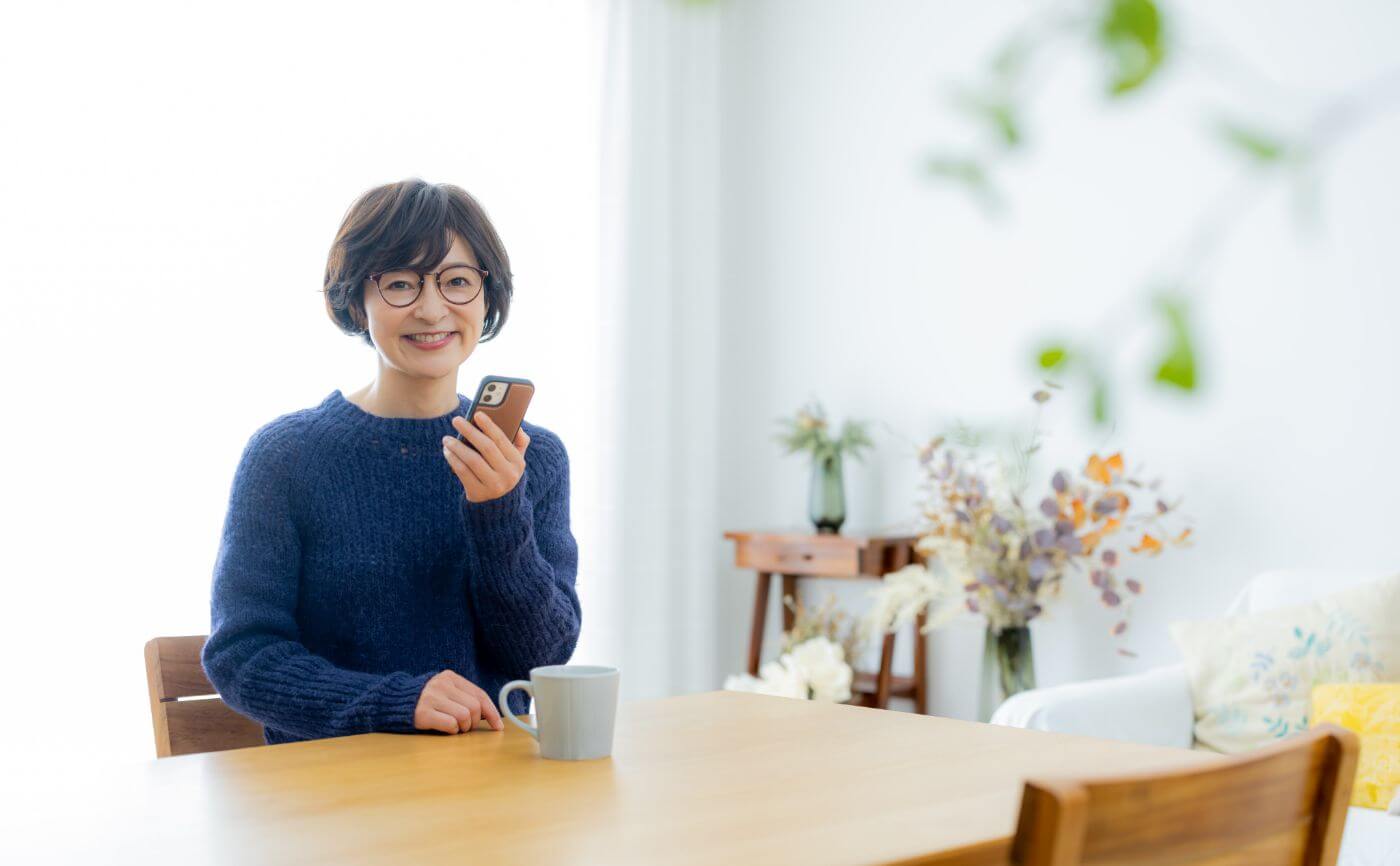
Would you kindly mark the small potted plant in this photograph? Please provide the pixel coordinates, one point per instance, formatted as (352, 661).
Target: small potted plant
(807, 431)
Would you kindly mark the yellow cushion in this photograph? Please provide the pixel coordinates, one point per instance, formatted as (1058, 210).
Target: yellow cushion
(1372, 710)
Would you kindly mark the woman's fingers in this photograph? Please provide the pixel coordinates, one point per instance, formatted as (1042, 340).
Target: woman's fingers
(437, 720)
(470, 469)
(467, 714)
(463, 686)
(522, 440)
(480, 440)
(508, 451)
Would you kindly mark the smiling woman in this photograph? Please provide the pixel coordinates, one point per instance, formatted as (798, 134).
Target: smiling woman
(375, 573)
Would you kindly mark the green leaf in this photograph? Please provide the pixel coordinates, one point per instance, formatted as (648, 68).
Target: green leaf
(996, 109)
(970, 174)
(1053, 357)
(1131, 34)
(1178, 365)
(1257, 145)
(1099, 402)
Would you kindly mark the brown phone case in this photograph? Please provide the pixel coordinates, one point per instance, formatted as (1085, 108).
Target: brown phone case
(509, 411)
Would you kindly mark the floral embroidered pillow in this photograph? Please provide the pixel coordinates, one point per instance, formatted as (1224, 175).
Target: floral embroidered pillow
(1252, 676)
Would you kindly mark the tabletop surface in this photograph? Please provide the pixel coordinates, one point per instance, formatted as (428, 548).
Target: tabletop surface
(718, 777)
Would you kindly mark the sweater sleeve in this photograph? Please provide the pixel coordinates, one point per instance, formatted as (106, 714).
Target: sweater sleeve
(525, 561)
(253, 656)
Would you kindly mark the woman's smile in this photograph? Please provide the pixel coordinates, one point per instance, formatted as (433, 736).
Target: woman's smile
(430, 340)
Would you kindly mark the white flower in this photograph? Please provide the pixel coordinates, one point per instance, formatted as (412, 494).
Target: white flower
(822, 663)
(815, 669)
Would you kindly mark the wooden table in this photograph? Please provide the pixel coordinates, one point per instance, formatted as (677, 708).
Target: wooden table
(719, 777)
(795, 555)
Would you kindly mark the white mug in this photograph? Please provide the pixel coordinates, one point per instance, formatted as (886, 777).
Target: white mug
(575, 708)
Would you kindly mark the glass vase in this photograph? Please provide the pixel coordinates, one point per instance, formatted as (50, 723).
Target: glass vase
(826, 504)
(1008, 667)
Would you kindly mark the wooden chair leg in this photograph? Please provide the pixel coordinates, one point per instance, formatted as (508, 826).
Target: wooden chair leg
(920, 666)
(882, 679)
(760, 616)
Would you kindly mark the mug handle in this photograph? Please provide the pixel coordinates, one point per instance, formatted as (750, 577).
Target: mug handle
(505, 705)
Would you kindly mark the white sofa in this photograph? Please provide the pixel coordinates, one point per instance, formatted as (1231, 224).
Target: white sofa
(1155, 707)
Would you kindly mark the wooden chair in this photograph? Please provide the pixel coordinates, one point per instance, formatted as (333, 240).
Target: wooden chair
(186, 711)
(1283, 804)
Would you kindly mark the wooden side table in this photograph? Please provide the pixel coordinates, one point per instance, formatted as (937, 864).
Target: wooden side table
(796, 555)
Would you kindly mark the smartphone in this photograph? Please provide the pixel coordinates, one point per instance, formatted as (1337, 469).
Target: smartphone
(504, 400)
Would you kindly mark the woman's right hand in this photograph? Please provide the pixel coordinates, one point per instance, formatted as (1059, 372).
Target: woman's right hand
(453, 704)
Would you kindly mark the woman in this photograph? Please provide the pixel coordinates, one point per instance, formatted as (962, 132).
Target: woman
(375, 574)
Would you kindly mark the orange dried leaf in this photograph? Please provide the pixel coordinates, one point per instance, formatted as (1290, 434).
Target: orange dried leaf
(1181, 539)
(1078, 512)
(1097, 470)
(1148, 545)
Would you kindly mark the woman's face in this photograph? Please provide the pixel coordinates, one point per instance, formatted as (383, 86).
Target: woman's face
(392, 328)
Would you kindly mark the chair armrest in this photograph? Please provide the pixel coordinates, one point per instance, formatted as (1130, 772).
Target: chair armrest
(1153, 707)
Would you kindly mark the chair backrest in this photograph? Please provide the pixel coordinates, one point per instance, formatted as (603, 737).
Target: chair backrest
(186, 712)
(1286, 587)
(1282, 804)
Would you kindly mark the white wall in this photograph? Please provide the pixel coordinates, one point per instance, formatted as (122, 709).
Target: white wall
(852, 278)
(173, 178)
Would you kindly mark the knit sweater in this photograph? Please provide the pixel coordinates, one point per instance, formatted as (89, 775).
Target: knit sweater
(352, 568)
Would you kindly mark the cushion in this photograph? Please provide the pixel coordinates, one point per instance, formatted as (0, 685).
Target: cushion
(1372, 711)
(1252, 676)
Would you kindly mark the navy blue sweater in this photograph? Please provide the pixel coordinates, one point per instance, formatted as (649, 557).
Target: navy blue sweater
(353, 568)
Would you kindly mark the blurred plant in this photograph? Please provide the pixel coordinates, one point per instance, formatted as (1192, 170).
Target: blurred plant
(807, 431)
(826, 621)
(1133, 41)
(815, 660)
(990, 554)
(815, 669)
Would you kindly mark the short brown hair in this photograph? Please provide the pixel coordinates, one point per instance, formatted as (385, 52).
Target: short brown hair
(410, 224)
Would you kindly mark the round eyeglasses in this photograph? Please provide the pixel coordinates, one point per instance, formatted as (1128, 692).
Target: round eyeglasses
(458, 284)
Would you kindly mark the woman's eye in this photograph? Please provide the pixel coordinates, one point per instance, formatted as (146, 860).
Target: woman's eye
(457, 281)
(398, 285)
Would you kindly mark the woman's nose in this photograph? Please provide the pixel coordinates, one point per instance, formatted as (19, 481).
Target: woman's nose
(430, 306)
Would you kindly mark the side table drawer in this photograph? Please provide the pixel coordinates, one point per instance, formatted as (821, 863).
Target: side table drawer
(814, 558)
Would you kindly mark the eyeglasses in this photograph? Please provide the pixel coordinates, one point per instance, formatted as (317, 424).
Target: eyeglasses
(458, 284)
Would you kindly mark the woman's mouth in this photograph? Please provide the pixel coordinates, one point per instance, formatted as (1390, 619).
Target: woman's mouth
(430, 340)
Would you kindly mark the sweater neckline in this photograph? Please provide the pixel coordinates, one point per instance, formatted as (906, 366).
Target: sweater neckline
(411, 429)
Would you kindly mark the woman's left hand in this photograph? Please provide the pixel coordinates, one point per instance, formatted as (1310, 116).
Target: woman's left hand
(495, 467)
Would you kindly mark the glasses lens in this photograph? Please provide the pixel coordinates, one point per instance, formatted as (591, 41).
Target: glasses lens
(460, 285)
(398, 288)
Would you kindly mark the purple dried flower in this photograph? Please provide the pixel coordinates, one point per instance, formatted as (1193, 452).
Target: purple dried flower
(1060, 482)
(1111, 598)
(1000, 524)
(1120, 628)
(972, 605)
(1162, 507)
(1044, 537)
(1105, 506)
(1025, 548)
(1096, 577)
(1110, 558)
(1070, 544)
(962, 516)
(1064, 527)
(1049, 507)
(1038, 567)
(1134, 586)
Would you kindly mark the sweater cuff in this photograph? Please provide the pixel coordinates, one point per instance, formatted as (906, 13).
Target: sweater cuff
(398, 701)
(502, 524)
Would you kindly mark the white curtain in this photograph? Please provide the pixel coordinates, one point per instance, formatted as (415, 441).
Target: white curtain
(660, 558)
